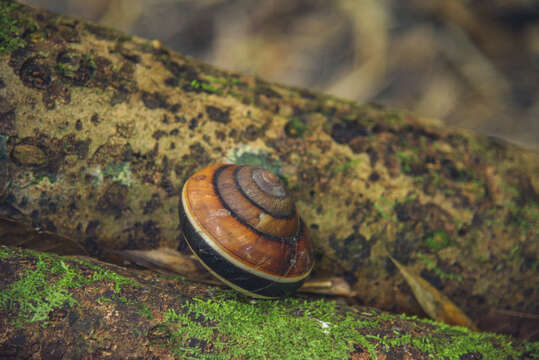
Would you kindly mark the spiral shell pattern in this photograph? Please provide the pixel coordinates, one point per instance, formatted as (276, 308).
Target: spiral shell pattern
(241, 222)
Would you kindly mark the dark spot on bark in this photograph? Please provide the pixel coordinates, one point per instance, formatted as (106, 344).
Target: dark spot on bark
(169, 188)
(2, 83)
(172, 82)
(105, 33)
(220, 135)
(69, 33)
(251, 133)
(174, 108)
(374, 176)
(153, 204)
(7, 117)
(17, 58)
(529, 261)
(344, 132)
(404, 247)
(75, 67)
(352, 250)
(144, 235)
(56, 91)
(264, 89)
(199, 154)
(159, 134)
(409, 211)
(72, 209)
(119, 97)
(134, 58)
(35, 73)
(174, 132)
(114, 199)
(181, 71)
(359, 144)
(95, 119)
(450, 171)
(91, 244)
(373, 156)
(70, 145)
(218, 115)
(78, 125)
(154, 100)
(193, 123)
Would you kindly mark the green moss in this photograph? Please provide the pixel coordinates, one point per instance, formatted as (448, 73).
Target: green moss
(349, 164)
(442, 274)
(206, 87)
(407, 160)
(230, 326)
(295, 128)
(438, 240)
(286, 329)
(13, 23)
(48, 286)
(381, 206)
(33, 297)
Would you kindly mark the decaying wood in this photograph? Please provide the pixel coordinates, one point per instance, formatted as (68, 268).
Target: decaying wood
(98, 131)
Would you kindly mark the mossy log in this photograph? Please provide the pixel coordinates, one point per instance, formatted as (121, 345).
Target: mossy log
(54, 307)
(99, 130)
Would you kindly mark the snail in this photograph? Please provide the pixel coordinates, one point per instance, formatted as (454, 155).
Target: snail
(241, 223)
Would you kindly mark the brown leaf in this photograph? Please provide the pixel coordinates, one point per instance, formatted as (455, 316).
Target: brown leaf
(432, 301)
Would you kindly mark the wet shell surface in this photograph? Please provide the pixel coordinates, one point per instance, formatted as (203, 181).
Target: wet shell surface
(241, 223)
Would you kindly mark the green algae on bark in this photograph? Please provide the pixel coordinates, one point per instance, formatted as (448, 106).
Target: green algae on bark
(73, 306)
(98, 132)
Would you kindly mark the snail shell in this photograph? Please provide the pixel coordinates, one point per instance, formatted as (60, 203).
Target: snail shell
(241, 223)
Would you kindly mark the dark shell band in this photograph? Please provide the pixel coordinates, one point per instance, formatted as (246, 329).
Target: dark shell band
(244, 280)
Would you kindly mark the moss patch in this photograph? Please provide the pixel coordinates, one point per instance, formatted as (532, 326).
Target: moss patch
(291, 329)
(13, 23)
(230, 326)
(35, 295)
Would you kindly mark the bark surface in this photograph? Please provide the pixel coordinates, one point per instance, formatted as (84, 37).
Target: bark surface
(99, 130)
(66, 307)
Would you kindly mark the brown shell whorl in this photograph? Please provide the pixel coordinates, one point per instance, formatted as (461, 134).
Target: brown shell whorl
(246, 192)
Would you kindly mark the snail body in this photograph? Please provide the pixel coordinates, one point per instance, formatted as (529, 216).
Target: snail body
(241, 223)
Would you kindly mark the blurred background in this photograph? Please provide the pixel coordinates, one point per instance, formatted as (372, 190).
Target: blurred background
(472, 64)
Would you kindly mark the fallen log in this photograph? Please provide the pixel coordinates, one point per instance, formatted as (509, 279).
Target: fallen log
(99, 130)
